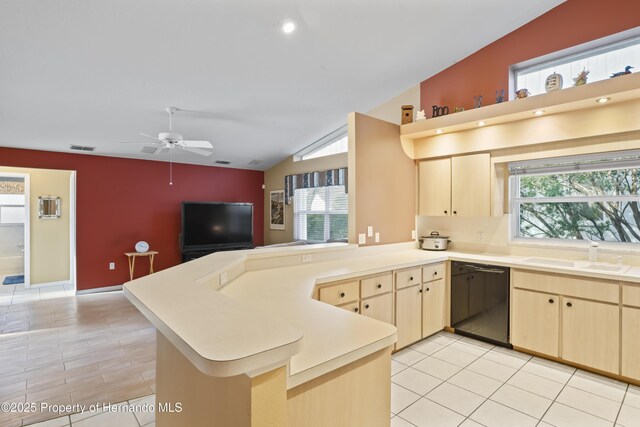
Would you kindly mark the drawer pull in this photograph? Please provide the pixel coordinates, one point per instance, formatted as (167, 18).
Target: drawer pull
(551, 301)
(379, 286)
(366, 306)
(569, 304)
(342, 294)
(420, 290)
(435, 273)
(356, 309)
(411, 279)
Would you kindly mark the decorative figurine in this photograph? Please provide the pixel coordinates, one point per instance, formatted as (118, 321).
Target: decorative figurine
(458, 109)
(553, 82)
(439, 111)
(522, 93)
(622, 73)
(477, 101)
(499, 96)
(420, 115)
(582, 78)
(407, 114)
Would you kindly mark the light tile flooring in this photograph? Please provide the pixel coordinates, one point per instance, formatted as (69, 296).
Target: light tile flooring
(447, 380)
(80, 349)
(17, 294)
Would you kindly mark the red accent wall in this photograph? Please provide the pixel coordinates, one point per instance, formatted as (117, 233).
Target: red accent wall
(487, 70)
(121, 201)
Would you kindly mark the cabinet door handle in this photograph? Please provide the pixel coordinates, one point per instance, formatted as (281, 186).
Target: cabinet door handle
(366, 306)
(342, 294)
(379, 286)
(427, 289)
(551, 301)
(455, 212)
(445, 212)
(356, 309)
(420, 290)
(569, 304)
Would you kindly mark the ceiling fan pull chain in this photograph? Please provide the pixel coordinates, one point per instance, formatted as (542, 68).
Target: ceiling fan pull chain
(170, 167)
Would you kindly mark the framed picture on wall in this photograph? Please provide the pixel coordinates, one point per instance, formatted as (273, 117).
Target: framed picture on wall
(276, 213)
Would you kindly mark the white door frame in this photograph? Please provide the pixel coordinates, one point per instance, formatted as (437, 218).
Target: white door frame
(27, 223)
(72, 230)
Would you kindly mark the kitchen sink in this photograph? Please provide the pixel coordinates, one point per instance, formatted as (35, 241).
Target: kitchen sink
(583, 265)
(550, 261)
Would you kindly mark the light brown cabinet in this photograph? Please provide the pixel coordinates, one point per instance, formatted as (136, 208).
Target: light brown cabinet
(630, 331)
(456, 186)
(535, 322)
(409, 315)
(591, 333)
(379, 308)
(421, 307)
(552, 315)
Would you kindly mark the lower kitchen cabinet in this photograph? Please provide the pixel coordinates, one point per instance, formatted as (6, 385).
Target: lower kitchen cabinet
(409, 315)
(631, 342)
(379, 308)
(433, 307)
(535, 321)
(591, 333)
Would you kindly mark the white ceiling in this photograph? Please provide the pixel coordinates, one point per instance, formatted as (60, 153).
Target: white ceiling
(92, 72)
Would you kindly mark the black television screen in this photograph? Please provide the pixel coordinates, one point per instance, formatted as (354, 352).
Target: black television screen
(216, 225)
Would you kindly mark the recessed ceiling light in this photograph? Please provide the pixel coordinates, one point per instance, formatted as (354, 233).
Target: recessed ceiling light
(539, 112)
(438, 130)
(603, 100)
(481, 123)
(288, 26)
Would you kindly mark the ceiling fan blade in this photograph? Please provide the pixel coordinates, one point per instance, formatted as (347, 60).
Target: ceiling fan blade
(199, 151)
(161, 150)
(197, 144)
(152, 137)
(134, 142)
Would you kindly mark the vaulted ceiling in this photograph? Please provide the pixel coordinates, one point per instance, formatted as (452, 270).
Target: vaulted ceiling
(97, 72)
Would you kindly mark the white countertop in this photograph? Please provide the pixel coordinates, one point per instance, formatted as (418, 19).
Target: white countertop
(266, 317)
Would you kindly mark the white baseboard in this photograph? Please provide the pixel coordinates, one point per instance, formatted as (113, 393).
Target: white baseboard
(47, 284)
(98, 290)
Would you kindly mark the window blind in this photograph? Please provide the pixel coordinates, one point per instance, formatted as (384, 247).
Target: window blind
(320, 213)
(584, 163)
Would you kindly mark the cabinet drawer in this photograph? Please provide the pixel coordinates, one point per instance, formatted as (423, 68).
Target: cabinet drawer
(575, 286)
(631, 295)
(376, 285)
(341, 293)
(408, 277)
(433, 272)
(353, 307)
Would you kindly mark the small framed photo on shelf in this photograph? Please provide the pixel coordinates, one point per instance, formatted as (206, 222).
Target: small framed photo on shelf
(276, 213)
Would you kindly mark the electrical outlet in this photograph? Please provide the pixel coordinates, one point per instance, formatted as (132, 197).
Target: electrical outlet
(306, 258)
(377, 238)
(370, 231)
(224, 278)
(112, 266)
(413, 234)
(362, 239)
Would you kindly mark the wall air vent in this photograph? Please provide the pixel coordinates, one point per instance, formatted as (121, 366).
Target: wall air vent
(255, 162)
(223, 162)
(149, 150)
(81, 148)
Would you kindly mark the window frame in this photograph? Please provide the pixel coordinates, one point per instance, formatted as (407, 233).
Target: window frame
(322, 143)
(327, 212)
(515, 200)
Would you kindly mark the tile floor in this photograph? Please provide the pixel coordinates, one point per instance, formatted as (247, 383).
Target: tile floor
(73, 350)
(17, 294)
(447, 380)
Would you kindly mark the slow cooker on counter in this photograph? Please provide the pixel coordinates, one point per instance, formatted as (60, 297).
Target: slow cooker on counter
(434, 242)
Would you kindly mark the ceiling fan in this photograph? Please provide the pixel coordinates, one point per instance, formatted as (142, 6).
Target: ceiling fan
(172, 140)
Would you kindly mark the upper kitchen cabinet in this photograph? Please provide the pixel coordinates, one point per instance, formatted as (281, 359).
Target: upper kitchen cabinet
(456, 186)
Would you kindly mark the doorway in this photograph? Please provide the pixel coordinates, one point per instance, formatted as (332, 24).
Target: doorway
(14, 229)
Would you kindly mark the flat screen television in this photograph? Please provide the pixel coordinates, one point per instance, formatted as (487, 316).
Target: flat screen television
(214, 225)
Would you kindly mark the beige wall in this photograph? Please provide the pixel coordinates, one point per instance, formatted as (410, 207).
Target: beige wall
(50, 242)
(382, 182)
(390, 111)
(274, 180)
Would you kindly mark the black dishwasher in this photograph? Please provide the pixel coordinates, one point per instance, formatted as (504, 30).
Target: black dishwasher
(480, 301)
